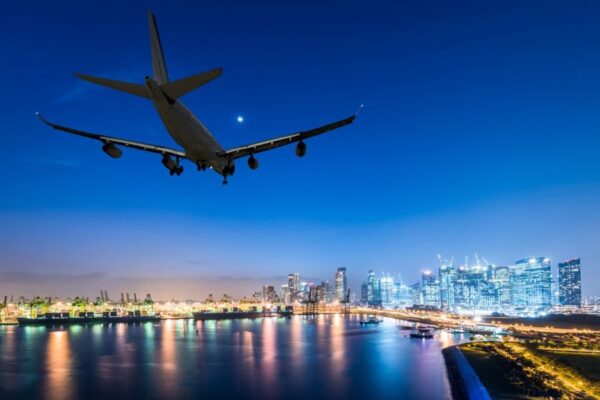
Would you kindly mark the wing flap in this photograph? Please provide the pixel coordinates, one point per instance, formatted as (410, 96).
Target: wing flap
(109, 139)
(274, 143)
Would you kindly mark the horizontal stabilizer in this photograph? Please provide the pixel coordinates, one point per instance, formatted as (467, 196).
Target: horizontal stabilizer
(180, 87)
(131, 88)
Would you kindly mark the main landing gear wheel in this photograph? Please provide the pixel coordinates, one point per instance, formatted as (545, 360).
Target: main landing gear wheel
(176, 171)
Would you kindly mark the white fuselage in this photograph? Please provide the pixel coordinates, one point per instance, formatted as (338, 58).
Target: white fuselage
(200, 146)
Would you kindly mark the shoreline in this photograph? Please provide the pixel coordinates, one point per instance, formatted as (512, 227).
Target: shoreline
(464, 381)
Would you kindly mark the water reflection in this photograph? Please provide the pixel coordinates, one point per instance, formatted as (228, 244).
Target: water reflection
(167, 373)
(59, 384)
(330, 356)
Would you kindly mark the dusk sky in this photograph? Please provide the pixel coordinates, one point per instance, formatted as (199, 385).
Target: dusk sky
(480, 133)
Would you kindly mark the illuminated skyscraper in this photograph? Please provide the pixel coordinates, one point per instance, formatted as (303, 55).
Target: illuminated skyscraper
(341, 284)
(364, 293)
(431, 289)
(285, 294)
(373, 290)
(328, 292)
(387, 290)
(447, 277)
(268, 294)
(569, 283)
(402, 294)
(531, 284)
(417, 294)
(293, 287)
(502, 281)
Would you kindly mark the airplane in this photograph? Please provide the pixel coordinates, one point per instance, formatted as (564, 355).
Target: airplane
(199, 145)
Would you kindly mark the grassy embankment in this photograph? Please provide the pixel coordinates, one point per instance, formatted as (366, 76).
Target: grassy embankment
(516, 370)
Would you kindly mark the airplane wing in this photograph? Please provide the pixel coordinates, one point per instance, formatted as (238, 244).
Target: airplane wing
(107, 139)
(269, 144)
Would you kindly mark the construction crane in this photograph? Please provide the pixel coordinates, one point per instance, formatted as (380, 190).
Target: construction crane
(311, 304)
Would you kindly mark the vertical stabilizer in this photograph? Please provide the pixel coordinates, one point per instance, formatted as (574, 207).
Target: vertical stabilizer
(158, 60)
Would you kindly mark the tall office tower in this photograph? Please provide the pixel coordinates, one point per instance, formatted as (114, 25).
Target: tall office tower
(268, 294)
(285, 294)
(341, 284)
(387, 290)
(416, 294)
(293, 286)
(502, 281)
(373, 290)
(402, 295)
(474, 282)
(304, 291)
(328, 292)
(569, 283)
(447, 277)
(364, 293)
(431, 289)
(531, 284)
(489, 290)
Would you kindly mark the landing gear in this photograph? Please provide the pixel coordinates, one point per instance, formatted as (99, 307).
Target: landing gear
(228, 170)
(176, 171)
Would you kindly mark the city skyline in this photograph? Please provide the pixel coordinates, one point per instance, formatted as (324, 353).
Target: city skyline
(476, 136)
(567, 284)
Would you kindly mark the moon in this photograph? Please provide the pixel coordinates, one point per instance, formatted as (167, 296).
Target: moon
(240, 119)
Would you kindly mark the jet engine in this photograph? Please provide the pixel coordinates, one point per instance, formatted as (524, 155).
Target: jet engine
(301, 149)
(169, 163)
(112, 150)
(172, 165)
(252, 162)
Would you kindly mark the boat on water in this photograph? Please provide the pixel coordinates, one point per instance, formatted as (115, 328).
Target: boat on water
(371, 321)
(240, 314)
(58, 318)
(423, 332)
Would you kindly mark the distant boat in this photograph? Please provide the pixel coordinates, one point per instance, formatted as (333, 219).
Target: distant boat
(423, 333)
(239, 314)
(87, 317)
(371, 321)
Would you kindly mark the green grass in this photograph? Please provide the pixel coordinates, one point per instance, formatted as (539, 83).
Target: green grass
(586, 365)
(491, 374)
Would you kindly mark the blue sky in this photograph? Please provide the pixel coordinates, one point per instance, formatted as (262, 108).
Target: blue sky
(480, 133)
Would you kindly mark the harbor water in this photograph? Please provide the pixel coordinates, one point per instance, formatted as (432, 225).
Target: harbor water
(302, 357)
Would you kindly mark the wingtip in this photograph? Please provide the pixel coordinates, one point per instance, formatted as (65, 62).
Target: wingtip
(358, 110)
(41, 118)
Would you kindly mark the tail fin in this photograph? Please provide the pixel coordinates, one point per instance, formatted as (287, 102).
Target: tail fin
(183, 86)
(158, 59)
(131, 88)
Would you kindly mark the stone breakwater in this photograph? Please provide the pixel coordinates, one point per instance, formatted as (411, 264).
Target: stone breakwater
(464, 381)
